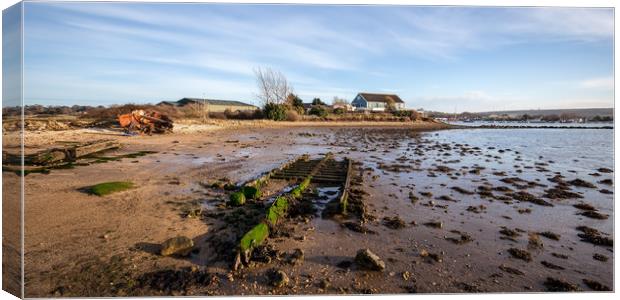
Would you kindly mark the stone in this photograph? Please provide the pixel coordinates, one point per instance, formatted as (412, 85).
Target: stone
(180, 245)
(368, 260)
(297, 257)
(278, 278)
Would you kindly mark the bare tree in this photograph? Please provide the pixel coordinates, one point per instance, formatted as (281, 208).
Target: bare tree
(272, 86)
(337, 100)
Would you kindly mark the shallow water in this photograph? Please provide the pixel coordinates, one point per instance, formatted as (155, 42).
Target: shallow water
(583, 150)
(531, 124)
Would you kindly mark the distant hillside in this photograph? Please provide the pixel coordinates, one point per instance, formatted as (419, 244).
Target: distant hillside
(581, 112)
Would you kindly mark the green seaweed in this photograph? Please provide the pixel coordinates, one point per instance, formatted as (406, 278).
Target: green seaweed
(277, 210)
(251, 192)
(137, 154)
(296, 192)
(256, 236)
(106, 188)
(304, 184)
(41, 170)
(237, 199)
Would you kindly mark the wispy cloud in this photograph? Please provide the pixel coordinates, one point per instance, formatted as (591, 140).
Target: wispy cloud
(446, 33)
(606, 83)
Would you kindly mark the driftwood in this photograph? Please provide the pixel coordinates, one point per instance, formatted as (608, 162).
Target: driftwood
(63, 154)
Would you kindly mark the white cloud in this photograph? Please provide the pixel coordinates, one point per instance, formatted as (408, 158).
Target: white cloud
(444, 33)
(606, 83)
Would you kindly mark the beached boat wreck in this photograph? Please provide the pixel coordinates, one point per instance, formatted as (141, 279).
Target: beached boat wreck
(321, 172)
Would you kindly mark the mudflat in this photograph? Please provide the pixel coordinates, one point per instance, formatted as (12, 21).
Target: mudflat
(442, 215)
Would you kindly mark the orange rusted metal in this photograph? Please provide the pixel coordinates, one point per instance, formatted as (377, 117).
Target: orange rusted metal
(145, 122)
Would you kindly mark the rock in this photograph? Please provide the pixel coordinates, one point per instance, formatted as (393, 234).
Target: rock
(297, 257)
(595, 285)
(180, 245)
(600, 257)
(278, 278)
(582, 183)
(324, 284)
(368, 260)
(520, 254)
(559, 285)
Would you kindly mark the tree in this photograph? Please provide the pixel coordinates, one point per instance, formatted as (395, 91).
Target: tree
(317, 101)
(390, 105)
(337, 100)
(295, 102)
(318, 110)
(276, 112)
(273, 86)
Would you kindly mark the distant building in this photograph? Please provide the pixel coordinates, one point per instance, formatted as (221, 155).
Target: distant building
(212, 105)
(344, 106)
(376, 102)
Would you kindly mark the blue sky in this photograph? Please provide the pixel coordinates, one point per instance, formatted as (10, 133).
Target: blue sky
(437, 58)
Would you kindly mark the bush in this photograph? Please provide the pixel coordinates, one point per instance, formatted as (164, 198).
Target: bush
(276, 112)
(319, 111)
(292, 115)
(411, 114)
(237, 199)
(339, 111)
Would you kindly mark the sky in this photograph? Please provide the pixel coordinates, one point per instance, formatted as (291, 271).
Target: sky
(437, 58)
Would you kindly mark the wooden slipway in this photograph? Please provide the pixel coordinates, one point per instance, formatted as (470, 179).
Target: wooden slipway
(61, 154)
(324, 171)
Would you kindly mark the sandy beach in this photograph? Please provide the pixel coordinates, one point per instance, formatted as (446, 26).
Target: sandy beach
(444, 216)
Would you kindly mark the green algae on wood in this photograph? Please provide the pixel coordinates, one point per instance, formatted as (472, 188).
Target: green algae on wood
(237, 199)
(251, 192)
(256, 236)
(277, 210)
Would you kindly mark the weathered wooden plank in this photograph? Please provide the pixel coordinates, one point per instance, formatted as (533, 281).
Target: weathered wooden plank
(67, 153)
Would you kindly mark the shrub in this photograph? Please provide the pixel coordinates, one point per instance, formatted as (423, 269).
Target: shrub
(292, 115)
(317, 101)
(411, 114)
(339, 111)
(237, 199)
(319, 111)
(276, 112)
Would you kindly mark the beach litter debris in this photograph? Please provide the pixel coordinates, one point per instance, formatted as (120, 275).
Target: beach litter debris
(145, 122)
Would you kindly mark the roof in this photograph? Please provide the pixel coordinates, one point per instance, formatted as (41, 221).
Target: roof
(186, 101)
(370, 97)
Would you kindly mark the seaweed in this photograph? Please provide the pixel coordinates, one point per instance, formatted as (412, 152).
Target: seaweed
(107, 188)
